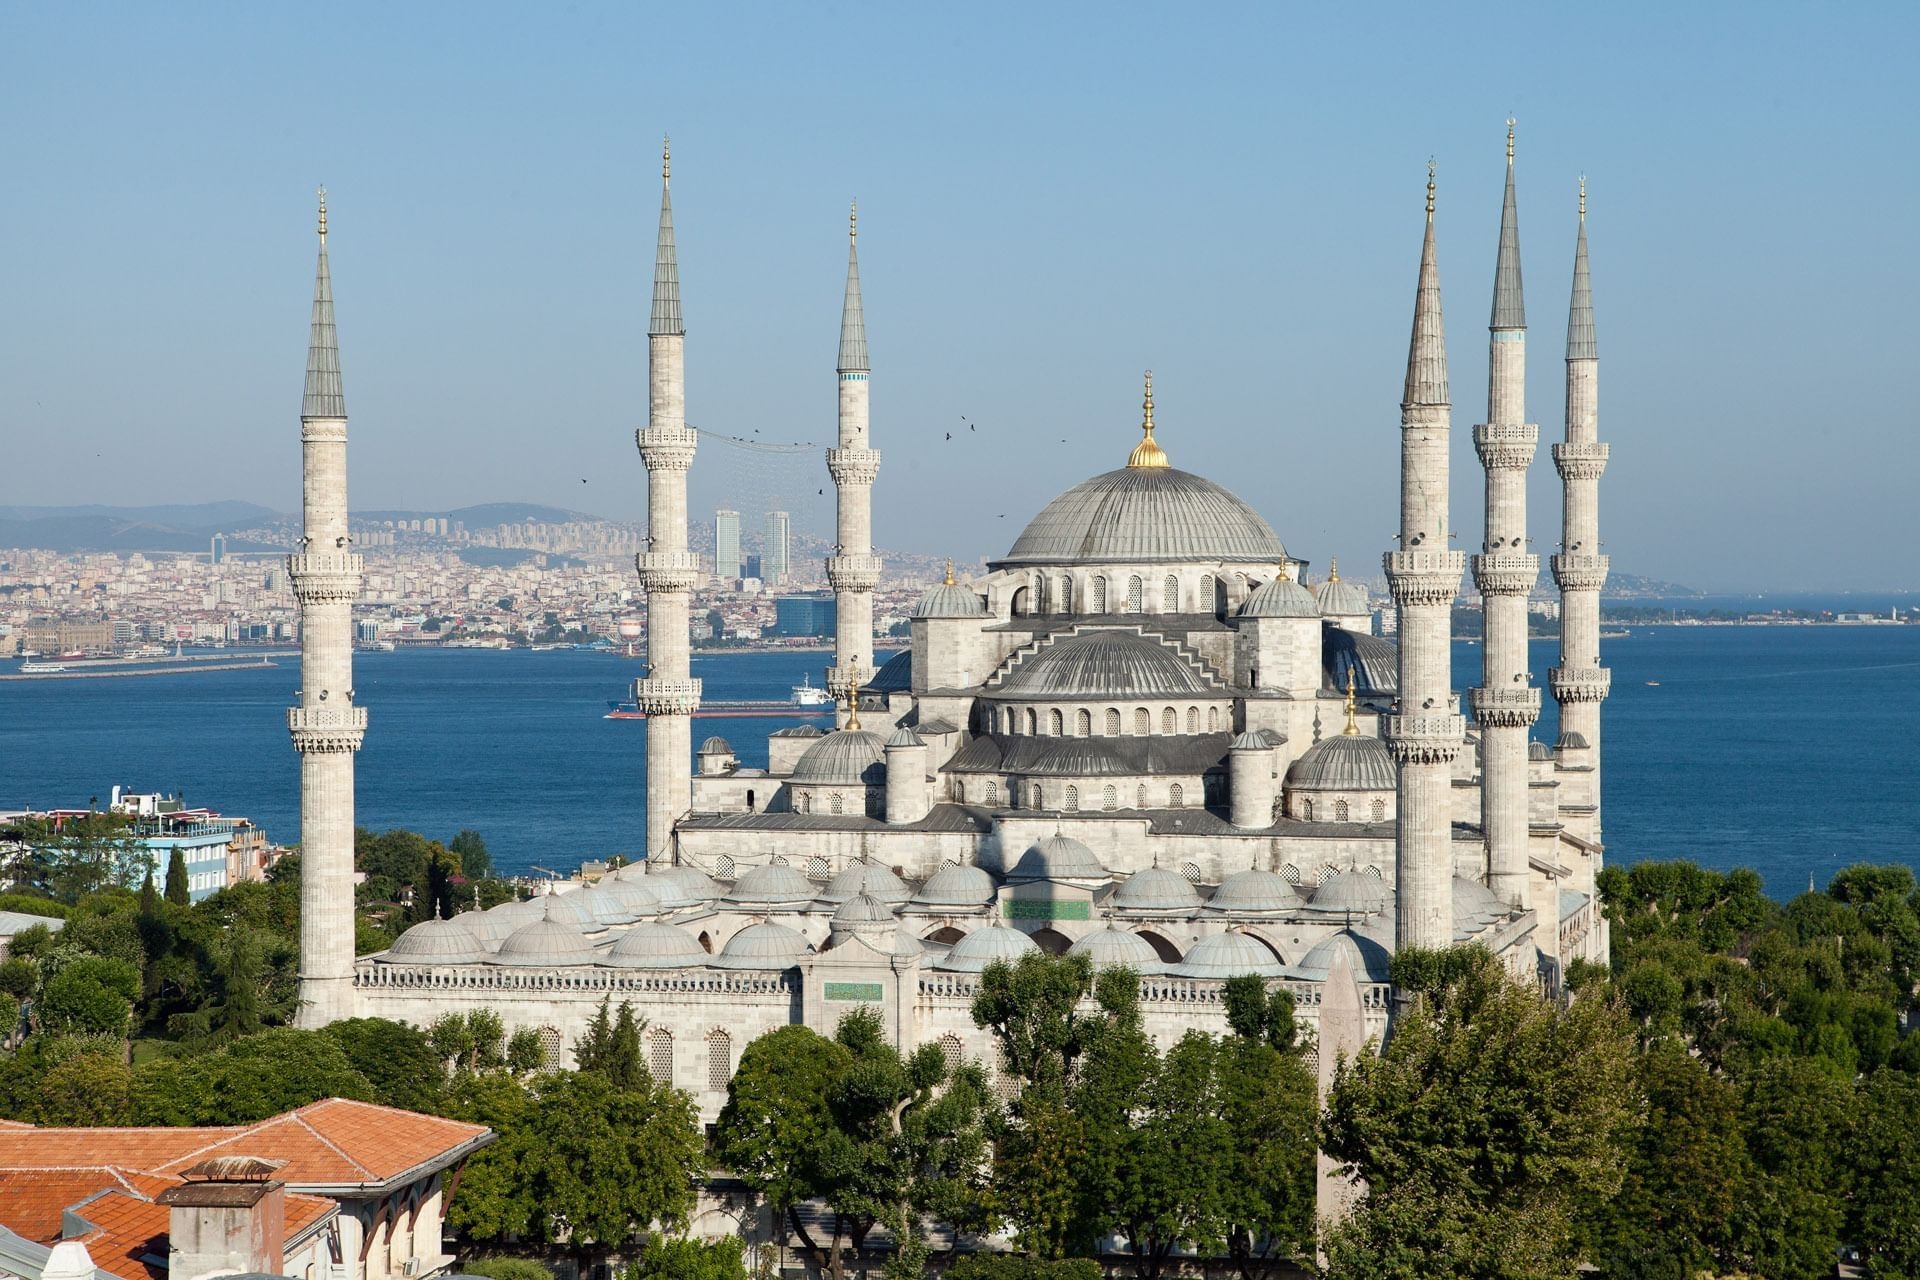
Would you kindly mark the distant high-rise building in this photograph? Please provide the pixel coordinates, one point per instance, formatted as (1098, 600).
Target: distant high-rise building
(217, 549)
(776, 558)
(726, 544)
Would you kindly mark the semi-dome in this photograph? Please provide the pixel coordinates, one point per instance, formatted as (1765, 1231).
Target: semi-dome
(775, 885)
(894, 676)
(1337, 599)
(435, 942)
(868, 877)
(950, 600)
(762, 946)
(547, 941)
(1058, 857)
(1145, 514)
(1367, 957)
(973, 953)
(1156, 889)
(1227, 955)
(1105, 663)
(1351, 891)
(1344, 762)
(1280, 598)
(845, 758)
(1253, 740)
(1474, 907)
(956, 885)
(1254, 892)
(653, 945)
(1110, 947)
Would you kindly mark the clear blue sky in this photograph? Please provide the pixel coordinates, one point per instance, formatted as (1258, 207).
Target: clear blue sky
(1052, 198)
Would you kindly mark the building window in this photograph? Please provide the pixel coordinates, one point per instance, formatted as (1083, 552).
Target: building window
(1142, 721)
(819, 868)
(1290, 873)
(1037, 797)
(993, 792)
(1073, 796)
(1193, 719)
(1056, 723)
(1109, 799)
(835, 802)
(1083, 723)
(719, 1060)
(1169, 722)
(806, 802)
(952, 1052)
(1176, 796)
(550, 1049)
(1136, 592)
(1140, 796)
(1033, 722)
(1100, 595)
(660, 1054)
(1209, 601)
(1113, 722)
(725, 868)
(1191, 872)
(1213, 719)
(1170, 595)
(1379, 810)
(1306, 810)
(1340, 811)
(1065, 603)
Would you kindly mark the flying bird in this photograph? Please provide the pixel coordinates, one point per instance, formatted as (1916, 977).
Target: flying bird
(949, 435)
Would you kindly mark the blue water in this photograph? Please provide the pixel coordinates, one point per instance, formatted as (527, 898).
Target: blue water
(1785, 749)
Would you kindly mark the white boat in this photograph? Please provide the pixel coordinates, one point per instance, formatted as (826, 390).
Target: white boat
(41, 668)
(805, 695)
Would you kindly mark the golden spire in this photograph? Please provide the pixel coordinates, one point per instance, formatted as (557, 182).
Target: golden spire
(1432, 168)
(323, 212)
(853, 221)
(1148, 452)
(666, 160)
(1333, 570)
(1583, 197)
(853, 703)
(1351, 728)
(950, 581)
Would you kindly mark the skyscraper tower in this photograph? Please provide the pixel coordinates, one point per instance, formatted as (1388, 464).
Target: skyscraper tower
(726, 544)
(1424, 732)
(1506, 704)
(668, 693)
(776, 549)
(853, 570)
(1580, 683)
(327, 727)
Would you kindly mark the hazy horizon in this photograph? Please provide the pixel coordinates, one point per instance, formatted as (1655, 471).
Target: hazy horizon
(1050, 201)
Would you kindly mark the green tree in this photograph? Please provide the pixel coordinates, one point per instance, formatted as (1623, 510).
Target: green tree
(149, 896)
(1886, 1180)
(776, 1117)
(233, 1008)
(611, 1047)
(86, 1089)
(398, 1060)
(1793, 1207)
(475, 862)
(1270, 1106)
(675, 1258)
(178, 891)
(471, 1041)
(92, 995)
(525, 1053)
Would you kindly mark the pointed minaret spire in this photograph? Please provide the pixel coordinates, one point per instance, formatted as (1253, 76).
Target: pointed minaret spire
(1509, 310)
(1427, 354)
(853, 322)
(324, 397)
(666, 263)
(1581, 343)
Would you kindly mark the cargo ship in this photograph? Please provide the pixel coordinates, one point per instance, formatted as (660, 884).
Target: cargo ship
(804, 701)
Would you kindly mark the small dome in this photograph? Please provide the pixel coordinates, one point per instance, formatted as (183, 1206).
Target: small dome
(904, 737)
(676, 887)
(1344, 762)
(716, 746)
(1110, 947)
(962, 885)
(868, 877)
(775, 885)
(546, 942)
(762, 946)
(435, 942)
(1351, 891)
(636, 896)
(1367, 957)
(489, 928)
(973, 953)
(1254, 892)
(1105, 663)
(1058, 857)
(1474, 908)
(845, 758)
(1538, 750)
(950, 600)
(1571, 740)
(1156, 889)
(863, 909)
(520, 910)
(799, 731)
(574, 907)
(1253, 740)
(1227, 955)
(1337, 599)
(1280, 598)
(607, 906)
(653, 945)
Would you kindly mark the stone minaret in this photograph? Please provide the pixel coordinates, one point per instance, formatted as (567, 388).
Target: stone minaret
(1580, 682)
(853, 570)
(326, 726)
(1425, 732)
(1506, 704)
(668, 693)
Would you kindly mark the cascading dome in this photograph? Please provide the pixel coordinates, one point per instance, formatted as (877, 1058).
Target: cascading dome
(1145, 515)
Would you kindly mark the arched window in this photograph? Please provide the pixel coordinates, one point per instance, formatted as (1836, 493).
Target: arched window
(1136, 594)
(1379, 810)
(550, 1048)
(1100, 595)
(1142, 721)
(1176, 796)
(660, 1055)
(1193, 719)
(1113, 722)
(806, 802)
(1306, 810)
(1037, 797)
(952, 1052)
(1073, 797)
(1056, 723)
(725, 868)
(1140, 796)
(1340, 811)
(1213, 719)
(818, 868)
(1109, 798)
(719, 1060)
(993, 792)
(1065, 603)
(750, 808)
(1033, 722)
(1022, 602)
(1170, 595)
(1083, 723)
(1209, 600)
(836, 802)
(1169, 722)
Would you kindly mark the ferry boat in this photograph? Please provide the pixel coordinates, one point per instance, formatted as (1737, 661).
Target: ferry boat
(41, 668)
(804, 701)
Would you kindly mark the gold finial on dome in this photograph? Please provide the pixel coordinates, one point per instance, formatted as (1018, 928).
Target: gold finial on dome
(853, 701)
(1148, 452)
(1333, 570)
(323, 213)
(1352, 728)
(950, 582)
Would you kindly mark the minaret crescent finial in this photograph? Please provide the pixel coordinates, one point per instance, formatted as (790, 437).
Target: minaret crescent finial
(1351, 728)
(853, 221)
(666, 160)
(1509, 140)
(1583, 197)
(323, 213)
(1148, 452)
(950, 582)
(1333, 569)
(1432, 168)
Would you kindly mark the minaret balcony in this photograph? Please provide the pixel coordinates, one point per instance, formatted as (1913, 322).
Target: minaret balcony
(853, 466)
(853, 573)
(1424, 738)
(1580, 461)
(1512, 708)
(667, 448)
(1579, 684)
(1505, 575)
(1506, 446)
(1424, 577)
(325, 577)
(1580, 572)
(663, 696)
(667, 570)
(327, 730)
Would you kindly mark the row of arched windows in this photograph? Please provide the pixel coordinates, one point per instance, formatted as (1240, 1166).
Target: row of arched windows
(1034, 795)
(1113, 722)
(660, 1056)
(1102, 594)
(1343, 812)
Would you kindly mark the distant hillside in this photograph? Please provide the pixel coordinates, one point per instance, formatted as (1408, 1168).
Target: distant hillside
(172, 527)
(488, 514)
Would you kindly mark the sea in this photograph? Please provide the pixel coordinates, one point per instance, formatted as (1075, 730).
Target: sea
(1787, 749)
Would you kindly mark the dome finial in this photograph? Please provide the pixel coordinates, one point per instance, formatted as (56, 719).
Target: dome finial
(1352, 728)
(1333, 569)
(323, 207)
(853, 704)
(950, 582)
(1148, 452)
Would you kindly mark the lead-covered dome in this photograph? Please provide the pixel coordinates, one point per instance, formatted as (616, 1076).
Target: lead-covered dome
(1369, 958)
(1280, 598)
(1156, 889)
(1339, 599)
(1145, 514)
(435, 942)
(1057, 857)
(1227, 955)
(973, 953)
(956, 885)
(547, 942)
(846, 758)
(654, 946)
(772, 887)
(762, 946)
(1344, 762)
(1111, 947)
(869, 878)
(1254, 892)
(1102, 664)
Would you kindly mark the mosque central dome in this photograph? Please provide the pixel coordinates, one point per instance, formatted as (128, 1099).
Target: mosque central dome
(1145, 515)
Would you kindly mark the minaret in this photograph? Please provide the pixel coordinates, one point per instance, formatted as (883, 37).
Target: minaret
(853, 570)
(1580, 683)
(327, 727)
(668, 693)
(1506, 704)
(1425, 732)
